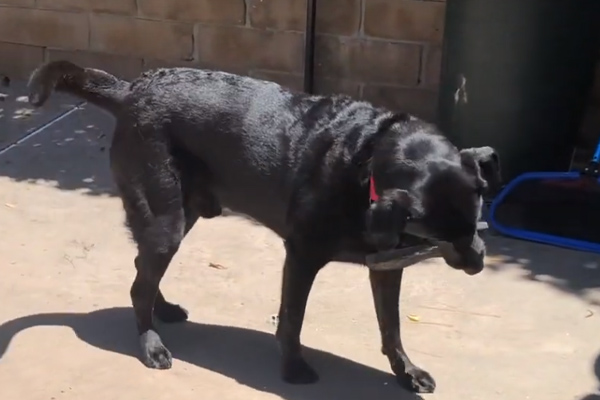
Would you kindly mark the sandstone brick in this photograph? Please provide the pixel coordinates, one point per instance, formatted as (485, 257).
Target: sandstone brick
(141, 38)
(332, 86)
(245, 48)
(295, 81)
(20, 3)
(18, 60)
(286, 79)
(120, 66)
(367, 60)
(208, 11)
(419, 102)
(44, 28)
(432, 66)
(340, 17)
(127, 7)
(414, 20)
(278, 14)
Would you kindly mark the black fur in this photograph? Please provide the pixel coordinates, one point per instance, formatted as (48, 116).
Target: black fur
(4, 82)
(188, 142)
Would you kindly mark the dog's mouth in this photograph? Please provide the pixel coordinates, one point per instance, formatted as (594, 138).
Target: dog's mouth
(422, 250)
(401, 258)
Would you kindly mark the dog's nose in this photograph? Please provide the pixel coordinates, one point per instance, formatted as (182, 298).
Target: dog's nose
(475, 266)
(472, 271)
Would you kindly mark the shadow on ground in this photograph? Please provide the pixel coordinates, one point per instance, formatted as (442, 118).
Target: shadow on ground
(70, 150)
(230, 351)
(71, 154)
(569, 271)
(595, 396)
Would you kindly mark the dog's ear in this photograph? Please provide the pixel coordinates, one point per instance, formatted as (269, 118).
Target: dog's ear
(484, 163)
(386, 219)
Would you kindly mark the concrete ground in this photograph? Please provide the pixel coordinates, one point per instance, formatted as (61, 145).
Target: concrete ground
(526, 328)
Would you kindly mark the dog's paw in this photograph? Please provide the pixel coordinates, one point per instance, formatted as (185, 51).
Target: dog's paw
(170, 313)
(298, 372)
(211, 211)
(154, 353)
(209, 207)
(417, 380)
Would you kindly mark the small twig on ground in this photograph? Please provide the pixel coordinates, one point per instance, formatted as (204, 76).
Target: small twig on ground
(417, 319)
(461, 311)
(69, 259)
(216, 266)
(437, 323)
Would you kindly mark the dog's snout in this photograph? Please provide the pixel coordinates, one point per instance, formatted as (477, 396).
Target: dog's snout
(475, 267)
(469, 259)
(471, 272)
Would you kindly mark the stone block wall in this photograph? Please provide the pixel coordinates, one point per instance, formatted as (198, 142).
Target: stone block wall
(385, 51)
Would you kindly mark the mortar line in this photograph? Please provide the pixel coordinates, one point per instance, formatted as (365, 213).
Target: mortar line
(41, 128)
(361, 20)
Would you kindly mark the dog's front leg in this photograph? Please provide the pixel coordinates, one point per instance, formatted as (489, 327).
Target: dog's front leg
(386, 295)
(299, 271)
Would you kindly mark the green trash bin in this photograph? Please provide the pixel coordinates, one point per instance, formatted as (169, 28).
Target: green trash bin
(515, 76)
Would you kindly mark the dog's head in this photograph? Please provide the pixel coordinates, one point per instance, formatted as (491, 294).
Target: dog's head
(426, 188)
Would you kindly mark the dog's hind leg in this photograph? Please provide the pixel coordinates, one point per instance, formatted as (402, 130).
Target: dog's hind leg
(198, 202)
(166, 311)
(150, 188)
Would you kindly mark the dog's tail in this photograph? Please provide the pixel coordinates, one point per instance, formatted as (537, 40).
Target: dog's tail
(93, 85)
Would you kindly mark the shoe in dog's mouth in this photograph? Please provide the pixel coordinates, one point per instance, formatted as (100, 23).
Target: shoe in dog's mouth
(403, 257)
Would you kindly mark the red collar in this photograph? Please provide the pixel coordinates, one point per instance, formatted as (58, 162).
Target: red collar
(373, 196)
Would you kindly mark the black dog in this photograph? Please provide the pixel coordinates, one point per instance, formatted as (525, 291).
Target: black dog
(188, 142)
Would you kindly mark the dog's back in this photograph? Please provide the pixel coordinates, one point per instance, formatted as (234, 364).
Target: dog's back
(256, 139)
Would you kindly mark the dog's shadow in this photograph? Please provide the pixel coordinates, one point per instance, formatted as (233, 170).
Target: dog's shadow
(248, 356)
